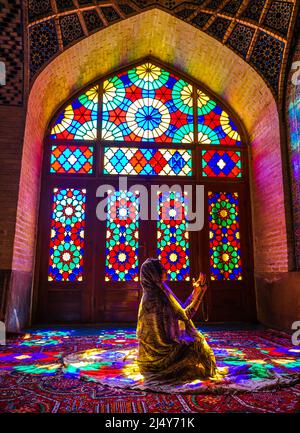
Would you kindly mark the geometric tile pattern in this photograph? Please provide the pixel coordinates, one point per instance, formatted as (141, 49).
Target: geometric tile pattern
(201, 19)
(92, 20)
(212, 16)
(267, 55)
(64, 5)
(38, 9)
(218, 28)
(254, 10)
(11, 51)
(278, 17)
(232, 7)
(71, 29)
(240, 39)
(43, 44)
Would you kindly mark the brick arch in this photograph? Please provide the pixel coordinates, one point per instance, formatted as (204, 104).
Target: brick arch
(194, 53)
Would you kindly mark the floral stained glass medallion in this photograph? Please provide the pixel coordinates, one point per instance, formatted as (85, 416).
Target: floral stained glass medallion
(71, 159)
(67, 235)
(139, 161)
(147, 104)
(122, 237)
(224, 236)
(172, 235)
(214, 124)
(78, 121)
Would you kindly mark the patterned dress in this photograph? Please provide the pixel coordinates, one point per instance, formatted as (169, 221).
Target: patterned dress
(170, 349)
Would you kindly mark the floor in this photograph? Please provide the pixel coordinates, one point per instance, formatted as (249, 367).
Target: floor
(32, 378)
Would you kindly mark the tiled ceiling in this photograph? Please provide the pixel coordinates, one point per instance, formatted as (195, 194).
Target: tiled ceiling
(257, 30)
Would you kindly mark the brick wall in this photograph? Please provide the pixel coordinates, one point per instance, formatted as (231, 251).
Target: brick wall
(268, 207)
(11, 137)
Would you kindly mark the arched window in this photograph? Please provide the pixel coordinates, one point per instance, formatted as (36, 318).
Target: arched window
(153, 126)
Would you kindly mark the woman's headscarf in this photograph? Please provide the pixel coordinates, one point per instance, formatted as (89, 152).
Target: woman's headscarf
(150, 275)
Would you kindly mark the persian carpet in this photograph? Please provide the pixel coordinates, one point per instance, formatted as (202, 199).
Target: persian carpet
(33, 377)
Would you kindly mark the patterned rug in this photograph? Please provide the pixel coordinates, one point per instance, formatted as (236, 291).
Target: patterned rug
(34, 379)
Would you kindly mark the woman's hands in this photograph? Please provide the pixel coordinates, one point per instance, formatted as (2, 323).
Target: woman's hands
(200, 285)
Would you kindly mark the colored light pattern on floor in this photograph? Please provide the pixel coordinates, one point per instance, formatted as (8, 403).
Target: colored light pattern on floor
(214, 124)
(71, 159)
(147, 104)
(148, 162)
(78, 121)
(122, 237)
(220, 163)
(172, 235)
(67, 235)
(251, 365)
(224, 236)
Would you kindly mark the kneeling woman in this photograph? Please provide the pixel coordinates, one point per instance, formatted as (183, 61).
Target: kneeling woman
(167, 351)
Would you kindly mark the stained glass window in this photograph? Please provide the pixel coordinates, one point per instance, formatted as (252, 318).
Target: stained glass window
(122, 237)
(163, 162)
(219, 163)
(172, 235)
(67, 235)
(147, 104)
(214, 124)
(152, 112)
(79, 119)
(71, 159)
(224, 234)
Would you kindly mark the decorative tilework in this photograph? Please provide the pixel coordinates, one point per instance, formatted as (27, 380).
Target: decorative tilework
(184, 13)
(110, 14)
(11, 52)
(240, 39)
(214, 4)
(276, 20)
(201, 19)
(38, 9)
(64, 5)
(218, 28)
(92, 20)
(232, 7)
(126, 8)
(267, 57)
(253, 10)
(85, 2)
(278, 17)
(71, 29)
(168, 4)
(43, 44)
